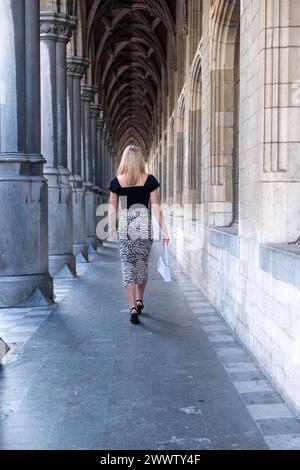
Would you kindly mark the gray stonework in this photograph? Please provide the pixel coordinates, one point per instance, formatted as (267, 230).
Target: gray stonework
(282, 261)
(23, 189)
(226, 238)
(56, 30)
(87, 95)
(4, 348)
(76, 67)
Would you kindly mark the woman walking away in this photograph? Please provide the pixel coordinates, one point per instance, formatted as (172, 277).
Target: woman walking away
(133, 194)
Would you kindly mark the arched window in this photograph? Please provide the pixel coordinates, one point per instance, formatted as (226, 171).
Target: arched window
(225, 83)
(195, 133)
(182, 30)
(195, 25)
(171, 162)
(180, 150)
(236, 131)
(164, 168)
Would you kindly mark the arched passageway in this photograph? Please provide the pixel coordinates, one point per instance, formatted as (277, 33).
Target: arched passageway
(81, 80)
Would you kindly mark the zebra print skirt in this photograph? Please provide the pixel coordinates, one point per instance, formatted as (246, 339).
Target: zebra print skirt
(134, 236)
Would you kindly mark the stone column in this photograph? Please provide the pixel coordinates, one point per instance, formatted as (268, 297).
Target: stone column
(95, 111)
(108, 157)
(56, 30)
(98, 166)
(101, 199)
(24, 276)
(76, 67)
(104, 155)
(111, 152)
(99, 152)
(106, 163)
(87, 95)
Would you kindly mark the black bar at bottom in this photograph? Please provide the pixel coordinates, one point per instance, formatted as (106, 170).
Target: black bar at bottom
(133, 459)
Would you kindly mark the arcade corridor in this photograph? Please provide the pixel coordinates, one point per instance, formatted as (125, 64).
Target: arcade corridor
(208, 90)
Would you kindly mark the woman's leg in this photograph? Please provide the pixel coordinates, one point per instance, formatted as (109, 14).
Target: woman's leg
(145, 248)
(130, 289)
(140, 290)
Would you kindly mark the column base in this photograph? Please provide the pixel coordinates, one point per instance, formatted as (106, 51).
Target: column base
(91, 218)
(80, 248)
(62, 263)
(35, 290)
(62, 266)
(81, 252)
(92, 245)
(4, 348)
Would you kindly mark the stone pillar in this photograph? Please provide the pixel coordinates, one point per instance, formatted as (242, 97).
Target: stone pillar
(95, 111)
(104, 155)
(108, 159)
(87, 95)
(76, 67)
(24, 276)
(99, 152)
(111, 154)
(56, 29)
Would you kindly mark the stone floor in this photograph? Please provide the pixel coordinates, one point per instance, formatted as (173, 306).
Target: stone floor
(81, 376)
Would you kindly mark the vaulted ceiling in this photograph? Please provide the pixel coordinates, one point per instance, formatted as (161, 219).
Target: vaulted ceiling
(129, 42)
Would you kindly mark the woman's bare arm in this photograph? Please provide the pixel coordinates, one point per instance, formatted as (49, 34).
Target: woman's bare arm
(157, 210)
(112, 215)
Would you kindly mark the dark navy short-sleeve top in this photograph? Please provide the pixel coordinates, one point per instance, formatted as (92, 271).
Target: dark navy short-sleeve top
(134, 194)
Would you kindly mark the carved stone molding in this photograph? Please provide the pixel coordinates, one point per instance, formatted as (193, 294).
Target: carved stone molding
(95, 110)
(100, 124)
(88, 92)
(56, 26)
(76, 66)
(185, 27)
(275, 156)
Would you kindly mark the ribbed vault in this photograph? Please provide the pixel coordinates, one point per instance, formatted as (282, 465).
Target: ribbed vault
(127, 41)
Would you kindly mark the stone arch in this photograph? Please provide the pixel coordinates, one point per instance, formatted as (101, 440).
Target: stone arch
(195, 9)
(128, 58)
(170, 170)
(180, 147)
(164, 166)
(77, 45)
(236, 132)
(225, 26)
(182, 30)
(195, 132)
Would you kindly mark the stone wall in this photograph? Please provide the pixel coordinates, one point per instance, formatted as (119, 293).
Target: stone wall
(248, 271)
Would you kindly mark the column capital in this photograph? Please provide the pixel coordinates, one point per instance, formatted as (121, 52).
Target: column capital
(104, 127)
(88, 92)
(76, 66)
(100, 123)
(109, 140)
(95, 110)
(56, 26)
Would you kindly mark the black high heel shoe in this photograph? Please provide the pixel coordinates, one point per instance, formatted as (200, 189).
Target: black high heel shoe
(134, 316)
(139, 306)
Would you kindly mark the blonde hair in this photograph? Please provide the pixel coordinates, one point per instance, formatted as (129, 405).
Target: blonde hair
(132, 165)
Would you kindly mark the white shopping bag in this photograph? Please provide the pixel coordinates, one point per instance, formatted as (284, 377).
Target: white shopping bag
(163, 266)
